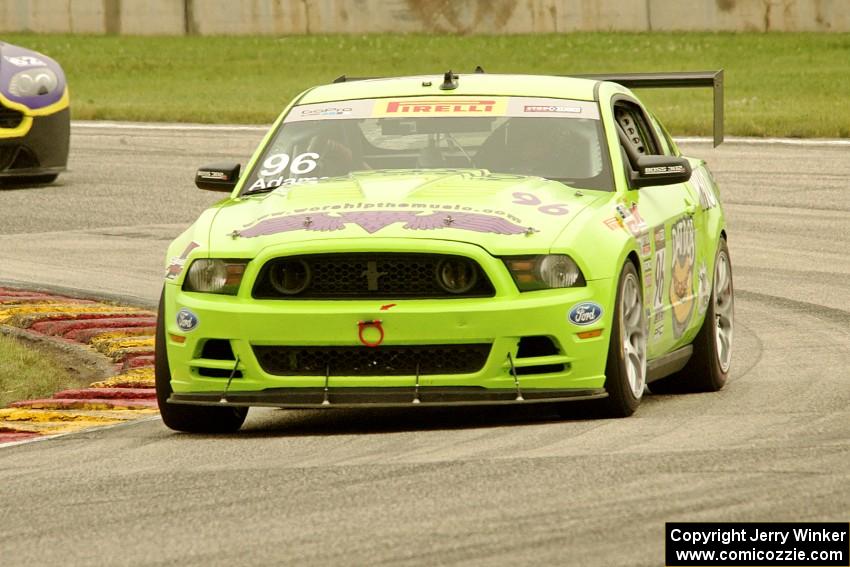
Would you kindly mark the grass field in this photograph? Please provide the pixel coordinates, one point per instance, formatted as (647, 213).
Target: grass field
(27, 372)
(780, 84)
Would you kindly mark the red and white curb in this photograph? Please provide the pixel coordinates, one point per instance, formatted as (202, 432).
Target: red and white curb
(122, 337)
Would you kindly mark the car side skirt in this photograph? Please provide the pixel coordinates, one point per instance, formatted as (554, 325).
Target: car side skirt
(384, 397)
(668, 364)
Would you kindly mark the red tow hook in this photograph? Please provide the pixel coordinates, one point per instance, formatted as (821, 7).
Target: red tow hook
(361, 329)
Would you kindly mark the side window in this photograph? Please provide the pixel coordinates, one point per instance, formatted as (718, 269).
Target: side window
(638, 132)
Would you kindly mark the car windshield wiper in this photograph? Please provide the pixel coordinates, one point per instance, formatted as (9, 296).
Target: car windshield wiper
(258, 191)
(565, 180)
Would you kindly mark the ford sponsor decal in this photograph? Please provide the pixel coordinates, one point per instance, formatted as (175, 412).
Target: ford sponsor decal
(585, 313)
(186, 320)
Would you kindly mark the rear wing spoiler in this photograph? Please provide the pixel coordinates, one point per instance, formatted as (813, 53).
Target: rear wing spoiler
(683, 79)
(678, 79)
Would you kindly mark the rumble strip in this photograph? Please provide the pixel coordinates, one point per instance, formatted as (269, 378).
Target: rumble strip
(118, 339)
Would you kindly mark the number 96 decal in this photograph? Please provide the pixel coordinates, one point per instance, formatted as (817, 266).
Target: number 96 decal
(521, 198)
(302, 164)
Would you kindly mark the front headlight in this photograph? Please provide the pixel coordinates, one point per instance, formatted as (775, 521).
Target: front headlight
(548, 271)
(32, 82)
(215, 276)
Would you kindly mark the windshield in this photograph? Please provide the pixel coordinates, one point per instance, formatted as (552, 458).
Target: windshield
(556, 139)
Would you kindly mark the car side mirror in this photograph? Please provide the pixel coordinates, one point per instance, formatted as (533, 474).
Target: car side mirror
(218, 177)
(661, 170)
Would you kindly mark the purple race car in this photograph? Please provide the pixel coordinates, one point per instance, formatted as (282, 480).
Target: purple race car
(35, 122)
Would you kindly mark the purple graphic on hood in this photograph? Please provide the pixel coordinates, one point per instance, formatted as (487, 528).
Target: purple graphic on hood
(15, 60)
(373, 221)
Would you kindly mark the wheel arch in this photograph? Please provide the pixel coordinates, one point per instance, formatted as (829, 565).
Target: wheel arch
(632, 257)
(628, 254)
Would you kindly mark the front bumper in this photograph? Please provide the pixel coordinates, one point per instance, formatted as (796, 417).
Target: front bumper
(574, 371)
(41, 149)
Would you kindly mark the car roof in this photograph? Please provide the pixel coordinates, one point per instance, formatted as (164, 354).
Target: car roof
(545, 86)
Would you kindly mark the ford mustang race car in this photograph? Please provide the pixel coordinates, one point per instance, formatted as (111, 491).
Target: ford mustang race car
(34, 117)
(451, 240)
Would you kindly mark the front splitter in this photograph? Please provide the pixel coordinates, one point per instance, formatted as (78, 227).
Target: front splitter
(383, 397)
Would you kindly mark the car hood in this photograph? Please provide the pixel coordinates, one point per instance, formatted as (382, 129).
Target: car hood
(504, 214)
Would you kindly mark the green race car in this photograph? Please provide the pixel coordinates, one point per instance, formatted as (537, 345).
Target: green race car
(451, 240)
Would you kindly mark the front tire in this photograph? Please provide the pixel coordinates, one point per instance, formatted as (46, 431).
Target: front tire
(182, 417)
(708, 368)
(625, 370)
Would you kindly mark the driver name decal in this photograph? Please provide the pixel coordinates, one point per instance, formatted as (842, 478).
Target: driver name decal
(280, 163)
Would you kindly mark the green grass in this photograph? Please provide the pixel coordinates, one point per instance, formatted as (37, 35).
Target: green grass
(27, 372)
(778, 84)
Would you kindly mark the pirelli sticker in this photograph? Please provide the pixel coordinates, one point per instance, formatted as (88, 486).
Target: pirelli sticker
(443, 106)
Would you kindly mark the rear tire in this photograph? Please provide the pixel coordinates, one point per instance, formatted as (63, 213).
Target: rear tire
(708, 368)
(182, 417)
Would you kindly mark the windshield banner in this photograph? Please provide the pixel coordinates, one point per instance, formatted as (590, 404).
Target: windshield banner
(444, 106)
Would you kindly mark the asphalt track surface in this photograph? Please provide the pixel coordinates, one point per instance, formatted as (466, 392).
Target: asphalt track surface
(473, 486)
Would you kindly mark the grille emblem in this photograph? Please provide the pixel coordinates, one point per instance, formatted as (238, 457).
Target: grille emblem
(372, 274)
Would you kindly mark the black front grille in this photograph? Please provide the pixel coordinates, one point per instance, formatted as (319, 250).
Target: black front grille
(367, 361)
(9, 117)
(373, 276)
